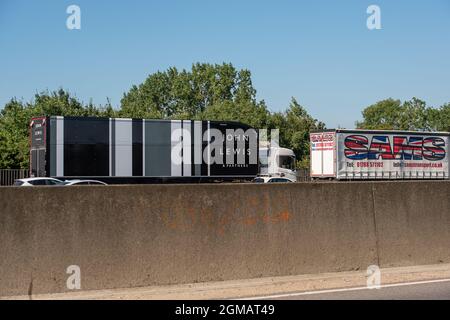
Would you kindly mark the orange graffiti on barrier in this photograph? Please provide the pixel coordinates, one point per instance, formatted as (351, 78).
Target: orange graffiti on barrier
(253, 201)
(285, 216)
(206, 218)
(279, 217)
(249, 221)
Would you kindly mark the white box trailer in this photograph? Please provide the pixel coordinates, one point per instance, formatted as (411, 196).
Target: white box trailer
(378, 154)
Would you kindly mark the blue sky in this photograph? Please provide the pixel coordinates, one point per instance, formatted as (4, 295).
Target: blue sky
(320, 52)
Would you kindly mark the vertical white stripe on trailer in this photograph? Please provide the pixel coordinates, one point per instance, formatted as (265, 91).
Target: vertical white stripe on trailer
(209, 149)
(59, 146)
(198, 147)
(175, 154)
(110, 147)
(187, 144)
(124, 147)
(143, 147)
(447, 157)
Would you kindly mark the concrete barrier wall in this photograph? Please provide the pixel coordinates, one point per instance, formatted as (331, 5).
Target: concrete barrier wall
(413, 223)
(129, 236)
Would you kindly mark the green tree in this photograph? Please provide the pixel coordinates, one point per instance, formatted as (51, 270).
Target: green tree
(59, 103)
(244, 90)
(295, 124)
(184, 94)
(16, 115)
(149, 100)
(412, 115)
(385, 114)
(14, 123)
(253, 114)
(440, 118)
(415, 116)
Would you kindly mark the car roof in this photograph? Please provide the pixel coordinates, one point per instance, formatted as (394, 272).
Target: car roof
(36, 178)
(281, 178)
(80, 180)
(267, 178)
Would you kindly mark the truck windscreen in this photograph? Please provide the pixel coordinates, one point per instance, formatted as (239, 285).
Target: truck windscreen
(287, 162)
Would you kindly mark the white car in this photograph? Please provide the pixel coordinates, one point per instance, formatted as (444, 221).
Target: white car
(39, 181)
(84, 183)
(271, 180)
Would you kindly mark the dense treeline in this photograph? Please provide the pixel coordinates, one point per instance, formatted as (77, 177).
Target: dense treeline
(212, 92)
(410, 115)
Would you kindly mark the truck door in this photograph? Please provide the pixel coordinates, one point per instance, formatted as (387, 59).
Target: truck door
(38, 148)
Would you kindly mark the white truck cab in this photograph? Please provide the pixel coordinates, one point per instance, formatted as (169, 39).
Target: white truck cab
(277, 162)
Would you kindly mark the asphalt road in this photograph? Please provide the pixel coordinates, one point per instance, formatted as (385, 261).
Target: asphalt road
(409, 282)
(420, 291)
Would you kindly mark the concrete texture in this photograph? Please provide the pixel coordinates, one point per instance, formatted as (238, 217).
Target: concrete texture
(133, 236)
(413, 223)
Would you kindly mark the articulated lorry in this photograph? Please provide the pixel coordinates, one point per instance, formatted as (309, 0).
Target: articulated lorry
(115, 150)
(377, 154)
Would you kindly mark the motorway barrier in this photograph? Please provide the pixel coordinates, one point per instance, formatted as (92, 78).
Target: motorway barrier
(143, 235)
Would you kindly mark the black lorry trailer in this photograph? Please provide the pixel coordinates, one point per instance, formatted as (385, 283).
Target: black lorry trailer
(116, 150)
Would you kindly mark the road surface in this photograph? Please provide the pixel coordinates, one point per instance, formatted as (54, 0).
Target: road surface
(414, 282)
(426, 290)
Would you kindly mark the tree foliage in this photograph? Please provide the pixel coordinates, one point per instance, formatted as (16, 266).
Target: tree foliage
(16, 115)
(174, 94)
(439, 119)
(295, 124)
(412, 115)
